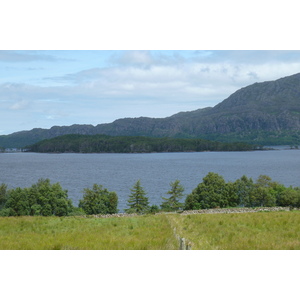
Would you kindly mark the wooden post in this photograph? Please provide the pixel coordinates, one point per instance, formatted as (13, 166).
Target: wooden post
(182, 244)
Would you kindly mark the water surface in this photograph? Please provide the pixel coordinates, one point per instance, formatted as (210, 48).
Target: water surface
(119, 172)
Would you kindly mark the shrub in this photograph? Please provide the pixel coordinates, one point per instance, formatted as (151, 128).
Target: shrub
(42, 198)
(210, 193)
(99, 200)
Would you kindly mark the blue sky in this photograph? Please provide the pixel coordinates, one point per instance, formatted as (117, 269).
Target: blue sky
(46, 88)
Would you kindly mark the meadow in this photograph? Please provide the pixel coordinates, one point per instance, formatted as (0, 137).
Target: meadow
(244, 231)
(241, 231)
(76, 233)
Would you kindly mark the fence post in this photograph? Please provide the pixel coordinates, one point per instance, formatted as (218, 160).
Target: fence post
(182, 244)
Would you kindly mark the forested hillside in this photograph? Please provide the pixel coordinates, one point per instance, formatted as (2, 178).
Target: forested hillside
(128, 144)
(262, 113)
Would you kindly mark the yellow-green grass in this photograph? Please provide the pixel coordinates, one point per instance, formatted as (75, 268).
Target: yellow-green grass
(249, 231)
(75, 233)
(245, 231)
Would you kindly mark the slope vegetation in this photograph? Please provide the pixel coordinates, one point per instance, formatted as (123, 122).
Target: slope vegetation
(265, 113)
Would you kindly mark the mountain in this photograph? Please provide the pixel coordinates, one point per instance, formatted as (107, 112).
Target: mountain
(265, 113)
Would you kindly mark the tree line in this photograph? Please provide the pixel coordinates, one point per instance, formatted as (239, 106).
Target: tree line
(46, 199)
(131, 144)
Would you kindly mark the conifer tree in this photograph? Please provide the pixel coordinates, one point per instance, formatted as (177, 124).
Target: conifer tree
(138, 202)
(176, 193)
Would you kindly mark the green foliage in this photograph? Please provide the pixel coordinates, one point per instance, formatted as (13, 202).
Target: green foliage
(137, 202)
(36, 210)
(49, 199)
(5, 212)
(77, 211)
(211, 193)
(289, 197)
(42, 198)
(214, 192)
(131, 144)
(99, 200)
(231, 193)
(244, 190)
(18, 202)
(154, 209)
(3, 195)
(176, 194)
(46, 199)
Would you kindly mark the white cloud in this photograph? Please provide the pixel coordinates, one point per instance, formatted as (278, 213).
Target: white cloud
(17, 56)
(138, 57)
(140, 83)
(20, 105)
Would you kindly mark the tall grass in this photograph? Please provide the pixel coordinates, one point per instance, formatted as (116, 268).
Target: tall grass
(72, 233)
(246, 231)
(261, 230)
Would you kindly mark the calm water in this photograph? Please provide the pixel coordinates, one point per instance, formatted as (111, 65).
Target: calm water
(119, 172)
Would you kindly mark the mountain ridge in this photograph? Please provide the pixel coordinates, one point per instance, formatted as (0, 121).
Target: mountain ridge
(263, 112)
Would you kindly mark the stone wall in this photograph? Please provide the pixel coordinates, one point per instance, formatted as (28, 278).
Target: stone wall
(110, 216)
(234, 210)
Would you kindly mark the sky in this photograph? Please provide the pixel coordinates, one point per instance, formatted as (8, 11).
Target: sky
(49, 76)
(40, 89)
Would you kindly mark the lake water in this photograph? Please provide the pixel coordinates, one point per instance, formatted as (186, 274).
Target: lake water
(119, 172)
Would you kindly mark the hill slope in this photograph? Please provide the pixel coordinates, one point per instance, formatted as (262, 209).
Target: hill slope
(266, 113)
(131, 144)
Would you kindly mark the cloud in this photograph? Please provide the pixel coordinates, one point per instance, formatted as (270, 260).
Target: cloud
(144, 83)
(255, 57)
(208, 80)
(20, 105)
(139, 58)
(14, 56)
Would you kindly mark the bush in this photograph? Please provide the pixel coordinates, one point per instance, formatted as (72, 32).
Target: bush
(210, 193)
(6, 212)
(18, 202)
(51, 198)
(42, 198)
(3, 195)
(154, 209)
(99, 200)
(77, 211)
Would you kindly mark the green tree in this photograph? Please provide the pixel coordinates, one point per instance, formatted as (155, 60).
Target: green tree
(176, 193)
(99, 200)
(289, 197)
(42, 198)
(18, 202)
(36, 210)
(265, 191)
(232, 195)
(244, 189)
(137, 202)
(48, 199)
(210, 193)
(154, 209)
(262, 196)
(3, 195)
(265, 181)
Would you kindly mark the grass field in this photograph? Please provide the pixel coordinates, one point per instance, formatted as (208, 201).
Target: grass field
(262, 230)
(75, 233)
(245, 231)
